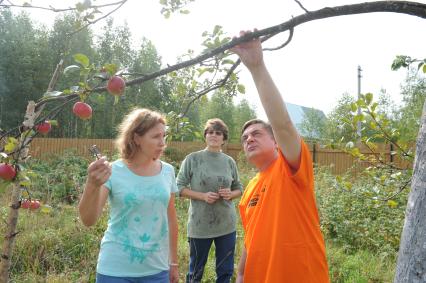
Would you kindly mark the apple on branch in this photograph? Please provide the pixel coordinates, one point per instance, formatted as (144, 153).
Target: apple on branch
(82, 110)
(116, 85)
(30, 204)
(44, 127)
(7, 172)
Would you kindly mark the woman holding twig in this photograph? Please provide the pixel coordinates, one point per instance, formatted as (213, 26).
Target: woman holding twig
(140, 243)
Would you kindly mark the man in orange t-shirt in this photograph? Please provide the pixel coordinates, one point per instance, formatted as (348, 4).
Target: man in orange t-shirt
(283, 242)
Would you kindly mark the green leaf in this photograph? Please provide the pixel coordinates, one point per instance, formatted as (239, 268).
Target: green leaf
(400, 61)
(184, 12)
(349, 145)
(71, 68)
(392, 203)
(52, 93)
(111, 68)
(368, 98)
(25, 183)
(348, 185)
(424, 68)
(25, 194)
(46, 209)
(81, 6)
(11, 144)
(217, 29)
(354, 107)
(82, 59)
(227, 61)
(241, 88)
(53, 122)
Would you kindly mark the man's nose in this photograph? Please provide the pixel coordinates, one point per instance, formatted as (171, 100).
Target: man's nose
(250, 138)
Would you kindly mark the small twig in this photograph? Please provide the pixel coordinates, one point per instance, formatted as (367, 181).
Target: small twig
(290, 37)
(213, 87)
(55, 76)
(301, 6)
(98, 19)
(387, 137)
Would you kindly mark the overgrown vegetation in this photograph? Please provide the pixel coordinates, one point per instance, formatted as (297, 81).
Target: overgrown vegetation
(362, 234)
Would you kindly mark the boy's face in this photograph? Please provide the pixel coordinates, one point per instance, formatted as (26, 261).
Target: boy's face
(258, 144)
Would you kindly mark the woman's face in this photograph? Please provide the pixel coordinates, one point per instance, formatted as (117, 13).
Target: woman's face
(214, 138)
(152, 143)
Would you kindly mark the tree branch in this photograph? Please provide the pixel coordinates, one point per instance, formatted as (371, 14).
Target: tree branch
(56, 10)
(401, 7)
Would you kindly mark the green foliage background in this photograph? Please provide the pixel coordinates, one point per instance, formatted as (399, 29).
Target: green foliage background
(362, 235)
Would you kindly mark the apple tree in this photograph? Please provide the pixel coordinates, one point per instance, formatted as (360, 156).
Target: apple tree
(214, 68)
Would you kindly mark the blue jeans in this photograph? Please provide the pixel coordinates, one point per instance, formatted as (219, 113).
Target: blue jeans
(162, 277)
(199, 252)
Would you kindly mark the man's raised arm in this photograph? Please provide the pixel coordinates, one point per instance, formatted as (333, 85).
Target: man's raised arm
(285, 133)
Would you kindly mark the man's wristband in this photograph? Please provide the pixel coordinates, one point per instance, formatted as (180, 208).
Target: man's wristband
(173, 264)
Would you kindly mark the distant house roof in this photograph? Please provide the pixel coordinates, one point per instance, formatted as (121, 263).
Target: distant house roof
(298, 112)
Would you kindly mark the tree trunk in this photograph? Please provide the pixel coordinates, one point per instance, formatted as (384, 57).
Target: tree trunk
(9, 238)
(22, 154)
(411, 266)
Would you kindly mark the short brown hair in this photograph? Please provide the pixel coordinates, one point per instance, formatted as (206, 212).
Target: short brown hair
(265, 125)
(216, 124)
(138, 121)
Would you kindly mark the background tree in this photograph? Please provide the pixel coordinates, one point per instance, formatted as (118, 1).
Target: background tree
(313, 125)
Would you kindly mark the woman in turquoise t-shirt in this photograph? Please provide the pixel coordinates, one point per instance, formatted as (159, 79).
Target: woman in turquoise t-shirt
(140, 243)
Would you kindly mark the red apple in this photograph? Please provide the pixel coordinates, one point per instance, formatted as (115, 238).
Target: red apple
(116, 85)
(7, 172)
(82, 110)
(44, 127)
(35, 204)
(27, 204)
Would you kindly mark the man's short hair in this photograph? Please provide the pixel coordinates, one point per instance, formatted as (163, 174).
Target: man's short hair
(265, 125)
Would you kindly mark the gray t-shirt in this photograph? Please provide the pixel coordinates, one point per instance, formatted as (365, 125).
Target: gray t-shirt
(206, 171)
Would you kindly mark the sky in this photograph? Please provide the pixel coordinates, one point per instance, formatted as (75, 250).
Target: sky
(314, 70)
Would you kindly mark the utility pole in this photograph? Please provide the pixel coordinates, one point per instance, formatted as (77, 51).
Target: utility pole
(358, 131)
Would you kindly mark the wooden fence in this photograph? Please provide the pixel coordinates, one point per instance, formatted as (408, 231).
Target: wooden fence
(337, 160)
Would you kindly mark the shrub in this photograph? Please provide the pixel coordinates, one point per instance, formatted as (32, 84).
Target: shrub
(355, 219)
(60, 178)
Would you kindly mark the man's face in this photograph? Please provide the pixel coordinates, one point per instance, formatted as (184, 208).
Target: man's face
(259, 146)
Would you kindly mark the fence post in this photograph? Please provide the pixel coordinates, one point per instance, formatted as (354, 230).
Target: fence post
(314, 151)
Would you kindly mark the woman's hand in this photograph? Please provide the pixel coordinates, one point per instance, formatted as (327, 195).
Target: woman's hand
(98, 172)
(211, 197)
(225, 193)
(174, 274)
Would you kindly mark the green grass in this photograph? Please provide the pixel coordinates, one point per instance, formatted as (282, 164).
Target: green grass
(56, 247)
